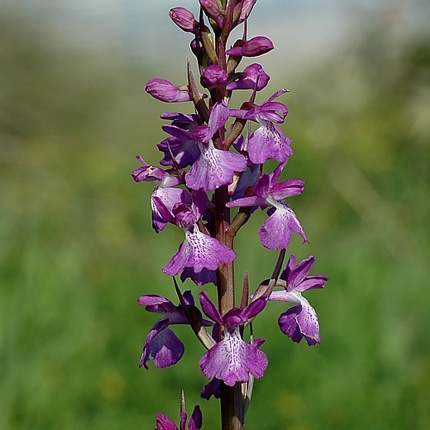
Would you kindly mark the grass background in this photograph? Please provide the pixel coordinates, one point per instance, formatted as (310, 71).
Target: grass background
(76, 247)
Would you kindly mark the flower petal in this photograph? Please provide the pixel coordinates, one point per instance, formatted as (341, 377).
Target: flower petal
(297, 273)
(268, 141)
(199, 251)
(218, 117)
(184, 151)
(164, 423)
(212, 388)
(276, 231)
(214, 168)
(162, 202)
(205, 276)
(296, 276)
(233, 359)
(196, 419)
(209, 308)
(301, 321)
(288, 188)
(162, 346)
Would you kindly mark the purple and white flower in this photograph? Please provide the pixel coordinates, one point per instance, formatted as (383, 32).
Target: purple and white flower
(212, 167)
(199, 251)
(300, 321)
(232, 359)
(161, 344)
(165, 196)
(268, 140)
(277, 230)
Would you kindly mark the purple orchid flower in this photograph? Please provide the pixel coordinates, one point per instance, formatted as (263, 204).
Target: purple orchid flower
(185, 152)
(165, 196)
(213, 167)
(277, 230)
(300, 321)
(268, 140)
(253, 77)
(161, 344)
(232, 359)
(199, 251)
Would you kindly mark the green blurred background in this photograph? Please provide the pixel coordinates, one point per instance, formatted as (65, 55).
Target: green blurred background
(77, 249)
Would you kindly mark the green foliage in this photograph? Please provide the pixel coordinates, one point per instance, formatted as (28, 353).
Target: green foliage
(76, 247)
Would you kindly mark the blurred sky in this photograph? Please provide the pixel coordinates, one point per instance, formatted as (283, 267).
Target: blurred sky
(308, 29)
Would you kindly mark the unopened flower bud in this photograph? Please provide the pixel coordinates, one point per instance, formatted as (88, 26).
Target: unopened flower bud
(214, 76)
(251, 48)
(212, 10)
(184, 19)
(196, 46)
(247, 6)
(163, 90)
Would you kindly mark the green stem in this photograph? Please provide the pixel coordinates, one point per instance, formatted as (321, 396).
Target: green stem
(232, 407)
(231, 397)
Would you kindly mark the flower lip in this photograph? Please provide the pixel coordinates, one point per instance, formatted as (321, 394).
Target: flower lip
(232, 359)
(198, 251)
